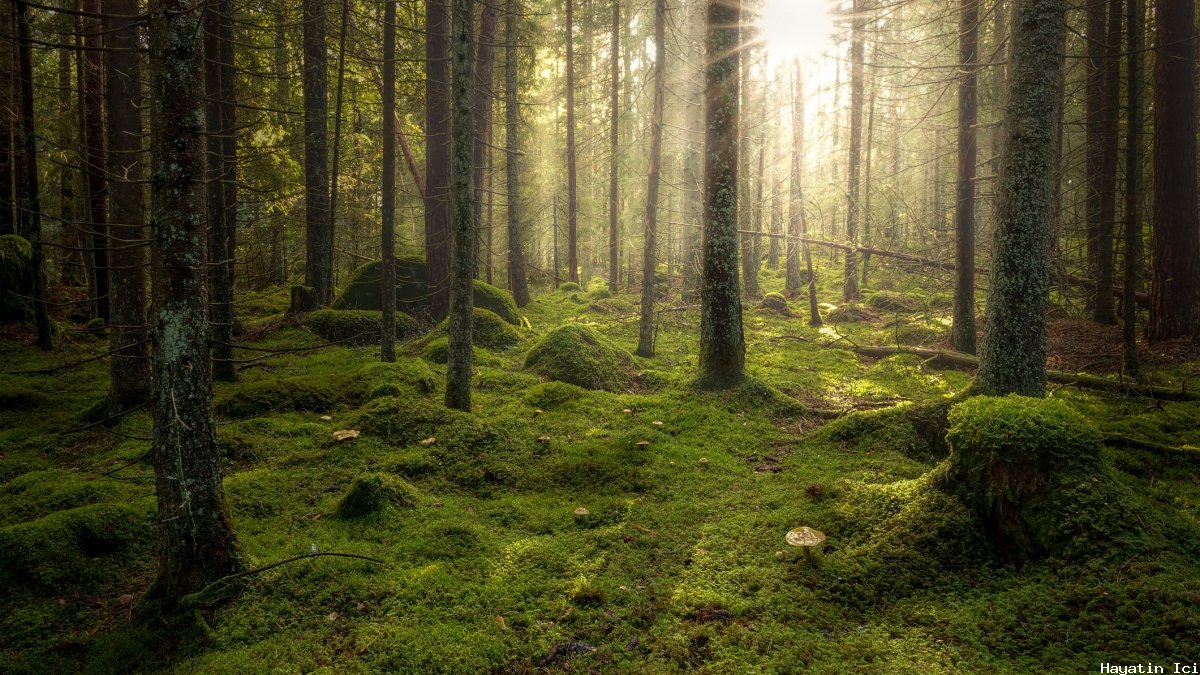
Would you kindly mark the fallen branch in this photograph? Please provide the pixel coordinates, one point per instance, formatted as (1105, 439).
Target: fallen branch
(203, 595)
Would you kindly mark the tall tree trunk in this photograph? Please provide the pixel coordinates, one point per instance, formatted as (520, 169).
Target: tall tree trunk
(462, 269)
(722, 343)
(93, 156)
(614, 127)
(221, 179)
(387, 277)
(1175, 287)
(1135, 21)
(335, 171)
(1013, 358)
(282, 100)
(693, 180)
(963, 329)
(437, 155)
(485, 66)
(649, 252)
(1103, 96)
(797, 228)
(850, 291)
(572, 191)
(776, 226)
(868, 217)
(512, 119)
(129, 369)
(746, 177)
(318, 269)
(72, 265)
(31, 210)
(8, 123)
(197, 544)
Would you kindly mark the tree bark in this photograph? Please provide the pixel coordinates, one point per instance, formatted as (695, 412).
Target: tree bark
(614, 241)
(318, 269)
(92, 88)
(649, 252)
(8, 123)
(485, 65)
(221, 179)
(572, 191)
(437, 155)
(850, 291)
(387, 276)
(1175, 284)
(31, 211)
(462, 271)
(722, 343)
(746, 177)
(1013, 358)
(196, 539)
(512, 117)
(963, 328)
(1133, 174)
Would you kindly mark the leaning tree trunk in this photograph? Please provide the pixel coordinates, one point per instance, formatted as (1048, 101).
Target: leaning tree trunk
(129, 369)
(387, 277)
(197, 544)
(722, 343)
(963, 329)
(649, 252)
(512, 120)
(1013, 358)
(437, 155)
(462, 270)
(1175, 287)
(572, 190)
(318, 269)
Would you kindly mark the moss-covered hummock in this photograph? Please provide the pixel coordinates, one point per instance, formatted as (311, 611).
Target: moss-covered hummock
(569, 287)
(578, 355)
(775, 303)
(376, 494)
(16, 256)
(412, 291)
(488, 329)
(893, 301)
(496, 300)
(355, 326)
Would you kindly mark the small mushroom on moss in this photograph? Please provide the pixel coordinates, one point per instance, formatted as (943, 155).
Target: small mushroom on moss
(581, 512)
(344, 435)
(642, 444)
(703, 461)
(326, 418)
(538, 411)
(805, 538)
(627, 411)
(543, 439)
(428, 441)
(657, 423)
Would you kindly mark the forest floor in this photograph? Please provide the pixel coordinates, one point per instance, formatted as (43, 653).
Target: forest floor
(680, 563)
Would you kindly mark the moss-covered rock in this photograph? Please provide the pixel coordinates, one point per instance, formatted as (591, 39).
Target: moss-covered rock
(376, 494)
(313, 393)
(355, 327)
(16, 259)
(496, 300)
(412, 291)
(404, 377)
(1030, 470)
(775, 303)
(488, 330)
(578, 355)
(569, 287)
(893, 301)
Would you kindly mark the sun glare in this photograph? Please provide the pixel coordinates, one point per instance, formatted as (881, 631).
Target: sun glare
(793, 28)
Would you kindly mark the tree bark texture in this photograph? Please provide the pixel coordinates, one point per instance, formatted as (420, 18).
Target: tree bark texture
(221, 179)
(93, 157)
(8, 123)
(462, 270)
(437, 155)
(387, 277)
(650, 250)
(850, 291)
(614, 127)
(963, 327)
(512, 119)
(572, 190)
(318, 269)
(1135, 20)
(31, 211)
(485, 64)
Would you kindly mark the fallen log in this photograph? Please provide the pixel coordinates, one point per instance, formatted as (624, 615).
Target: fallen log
(1083, 380)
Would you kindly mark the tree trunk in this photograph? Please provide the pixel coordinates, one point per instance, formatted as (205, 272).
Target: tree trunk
(485, 65)
(850, 291)
(745, 174)
(722, 343)
(1175, 287)
(335, 171)
(71, 263)
(129, 369)
(792, 281)
(1013, 358)
(614, 126)
(649, 252)
(1103, 95)
(512, 118)
(196, 539)
(868, 217)
(963, 329)
(1133, 174)
(387, 276)
(572, 191)
(93, 157)
(8, 124)
(31, 211)
(462, 271)
(221, 179)
(318, 269)
(437, 155)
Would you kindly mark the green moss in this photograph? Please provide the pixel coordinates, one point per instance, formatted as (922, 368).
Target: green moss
(776, 303)
(601, 293)
(403, 377)
(488, 330)
(376, 494)
(569, 287)
(356, 327)
(578, 355)
(38, 493)
(894, 301)
(316, 394)
(553, 394)
(850, 314)
(412, 292)
(16, 259)
(496, 300)
(20, 399)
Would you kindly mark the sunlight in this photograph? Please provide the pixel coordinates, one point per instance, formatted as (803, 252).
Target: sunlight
(793, 28)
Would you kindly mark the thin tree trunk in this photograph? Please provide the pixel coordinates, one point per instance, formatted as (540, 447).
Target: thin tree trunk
(129, 369)
(572, 192)
(485, 65)
(31, 211)
(197, 544)
(850, 291)
(318, 269)
(72, 265)
(614, 242)
(94, 165)
(1135, 21)
(868, 217)
(335, 171)
(722, 343)
(387, 280)
(797, 227)
(649, 252)
(512, 118)
(437, 155)
(221, 179)
(462, 270)
(8, 124)
(1104, 312)
(963, 329)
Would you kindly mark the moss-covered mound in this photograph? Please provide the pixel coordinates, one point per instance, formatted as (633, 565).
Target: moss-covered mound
(412, 291)
(16, 257)
(775, 303)
(39, 493)
(325, 391)
(1030, 470)
(355, 327)
(851, 314)
(893, 301)
(488, 329)
(578, 355)
(376, 494)
(569, 287)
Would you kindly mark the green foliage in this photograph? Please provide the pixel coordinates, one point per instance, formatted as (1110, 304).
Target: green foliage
(1020, 429)
(375, 494)
(577, 354)
(355, 327)
(16, 257)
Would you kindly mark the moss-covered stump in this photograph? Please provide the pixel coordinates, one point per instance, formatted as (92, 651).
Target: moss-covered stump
(775, 303)
(412, 291)
(16, 257)
(376, 494)
(578, 355)
(1030, 471)
(355, 327)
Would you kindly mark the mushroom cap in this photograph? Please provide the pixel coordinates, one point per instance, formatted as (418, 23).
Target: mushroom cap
(581, 512)
(343, 435)
(805, 536)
